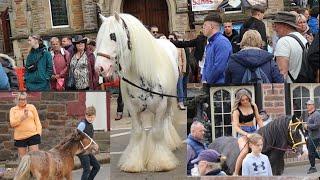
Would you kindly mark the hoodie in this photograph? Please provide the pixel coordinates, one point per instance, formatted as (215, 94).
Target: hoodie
(252, 58)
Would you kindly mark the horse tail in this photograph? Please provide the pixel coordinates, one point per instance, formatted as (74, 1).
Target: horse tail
(23, 171)
(171, 135)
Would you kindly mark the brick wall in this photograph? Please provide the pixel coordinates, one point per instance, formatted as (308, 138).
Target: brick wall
(89, 14)
(274, 99)
(58, 112)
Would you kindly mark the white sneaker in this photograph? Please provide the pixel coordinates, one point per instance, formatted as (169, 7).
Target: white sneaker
(181, 106)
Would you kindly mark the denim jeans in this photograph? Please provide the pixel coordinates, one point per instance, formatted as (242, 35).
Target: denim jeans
(86, 161)
(248, 129)
(182, 88)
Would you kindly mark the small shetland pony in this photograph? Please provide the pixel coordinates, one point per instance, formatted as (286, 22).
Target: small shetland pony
(58, 162)
(124, 45)
(280, 135)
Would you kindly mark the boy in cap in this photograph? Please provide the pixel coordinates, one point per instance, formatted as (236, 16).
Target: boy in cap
(313, 127)
(207, 163)
(256, 163)
(86, 160)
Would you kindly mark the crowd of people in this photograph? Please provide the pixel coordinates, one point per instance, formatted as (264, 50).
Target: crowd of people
(250, 56)
(243, 113)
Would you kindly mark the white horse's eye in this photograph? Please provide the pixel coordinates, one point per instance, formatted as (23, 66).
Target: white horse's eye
(113, 37)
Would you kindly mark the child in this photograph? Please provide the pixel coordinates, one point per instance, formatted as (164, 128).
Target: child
(86, 126)
(255, 163)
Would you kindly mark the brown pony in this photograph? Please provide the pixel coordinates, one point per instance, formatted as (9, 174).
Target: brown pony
(57, 163)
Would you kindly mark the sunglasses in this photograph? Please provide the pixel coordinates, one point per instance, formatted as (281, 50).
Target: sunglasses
(154, 32)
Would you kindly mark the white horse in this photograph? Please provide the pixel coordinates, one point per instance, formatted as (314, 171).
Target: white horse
(126, 46)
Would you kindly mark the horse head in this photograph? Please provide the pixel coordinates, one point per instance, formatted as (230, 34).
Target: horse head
(85, 142)
(296, 135)
(113, 46)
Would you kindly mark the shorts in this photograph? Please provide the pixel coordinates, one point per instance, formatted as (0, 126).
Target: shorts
(33, 140)
(248, 129)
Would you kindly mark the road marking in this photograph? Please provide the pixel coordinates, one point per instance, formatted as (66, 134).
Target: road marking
(116, 153)
(120, 134)
(148, 127)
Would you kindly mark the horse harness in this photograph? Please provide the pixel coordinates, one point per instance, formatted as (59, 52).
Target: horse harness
(87, 146)
(294, 144)
(296, 124)
(112, 37)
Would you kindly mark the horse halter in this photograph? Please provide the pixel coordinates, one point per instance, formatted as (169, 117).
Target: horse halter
(87, 146)
(129, 42)
(296, 124)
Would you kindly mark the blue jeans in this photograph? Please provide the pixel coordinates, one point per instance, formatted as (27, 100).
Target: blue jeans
(182, 88)
(248, 129)
(86, 161)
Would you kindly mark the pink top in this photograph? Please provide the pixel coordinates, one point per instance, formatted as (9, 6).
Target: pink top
(60, 60)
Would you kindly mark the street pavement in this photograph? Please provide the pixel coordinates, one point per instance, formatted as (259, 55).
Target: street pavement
(301, 171)
(120, 134)
(103, 174)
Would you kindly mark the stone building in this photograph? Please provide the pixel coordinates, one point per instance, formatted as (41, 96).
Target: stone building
(50, 18)
(173, 15)
(59, 114)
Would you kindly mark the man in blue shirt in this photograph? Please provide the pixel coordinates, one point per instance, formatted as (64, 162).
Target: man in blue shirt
(218, 51)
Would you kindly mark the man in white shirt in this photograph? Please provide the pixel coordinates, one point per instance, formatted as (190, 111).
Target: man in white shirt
(288, 51)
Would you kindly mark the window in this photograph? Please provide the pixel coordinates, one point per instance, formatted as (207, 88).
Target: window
(300, 93)
(221, 101)
(59, 13)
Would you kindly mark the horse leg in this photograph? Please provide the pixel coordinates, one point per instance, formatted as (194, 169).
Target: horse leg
(171, 137)
(159, 156)
(133, 157)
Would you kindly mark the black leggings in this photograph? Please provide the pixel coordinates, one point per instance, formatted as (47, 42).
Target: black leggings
(312, 150)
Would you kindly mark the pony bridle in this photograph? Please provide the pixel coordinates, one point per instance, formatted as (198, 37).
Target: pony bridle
(87, 146)
(129, 45)
(296, 124)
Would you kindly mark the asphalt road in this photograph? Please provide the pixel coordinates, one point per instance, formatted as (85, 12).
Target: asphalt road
(120, 135)
(103, 174)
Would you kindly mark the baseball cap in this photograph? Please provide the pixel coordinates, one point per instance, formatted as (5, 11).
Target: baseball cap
(310, 102)
(209, 155)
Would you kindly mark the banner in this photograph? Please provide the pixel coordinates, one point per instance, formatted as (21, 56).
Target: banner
(205, 5)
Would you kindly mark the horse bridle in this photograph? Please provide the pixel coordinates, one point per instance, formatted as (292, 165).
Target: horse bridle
(129, 42)
(296, 124)
(87, 146)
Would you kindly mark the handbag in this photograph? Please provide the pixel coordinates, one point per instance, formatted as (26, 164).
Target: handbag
(34, 66)
(71, 81)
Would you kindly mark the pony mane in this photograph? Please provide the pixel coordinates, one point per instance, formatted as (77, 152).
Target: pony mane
(275, 133)
(146, 58)
(67, 142)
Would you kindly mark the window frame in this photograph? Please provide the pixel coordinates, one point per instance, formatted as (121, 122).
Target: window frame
(310, 86)
(51, 17)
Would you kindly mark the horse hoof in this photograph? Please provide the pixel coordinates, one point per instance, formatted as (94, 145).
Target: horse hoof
(131, 168)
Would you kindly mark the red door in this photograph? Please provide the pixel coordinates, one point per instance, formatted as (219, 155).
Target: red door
(150, 12)
(4, 17)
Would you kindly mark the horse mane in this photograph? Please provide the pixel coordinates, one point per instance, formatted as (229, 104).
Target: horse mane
(275, 133)
(68, 142)
(147, 58)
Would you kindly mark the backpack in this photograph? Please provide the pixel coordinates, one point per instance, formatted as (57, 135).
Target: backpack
(254, 75)
(306, 73)
(11, 73)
